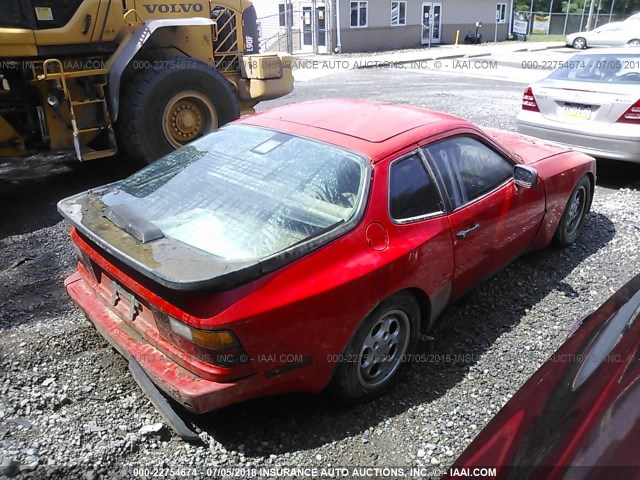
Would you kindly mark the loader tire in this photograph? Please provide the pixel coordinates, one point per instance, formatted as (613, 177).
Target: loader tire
(172, 104)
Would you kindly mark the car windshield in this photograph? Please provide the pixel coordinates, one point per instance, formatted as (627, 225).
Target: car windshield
(601, 68)
(244, 192)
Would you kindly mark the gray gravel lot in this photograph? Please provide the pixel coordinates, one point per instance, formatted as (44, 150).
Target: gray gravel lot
(69, 407)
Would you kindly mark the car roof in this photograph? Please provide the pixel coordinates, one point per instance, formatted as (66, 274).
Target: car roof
(369, 128)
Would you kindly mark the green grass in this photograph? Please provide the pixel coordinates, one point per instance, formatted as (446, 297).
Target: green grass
(546, 38)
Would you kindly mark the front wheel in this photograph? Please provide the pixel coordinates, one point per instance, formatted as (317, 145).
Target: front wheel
(374, 359)
(634, 43)
(572, 221)
(580, 43)
(166, 107)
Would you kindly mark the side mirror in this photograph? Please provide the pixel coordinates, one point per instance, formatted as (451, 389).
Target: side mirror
(525, 177)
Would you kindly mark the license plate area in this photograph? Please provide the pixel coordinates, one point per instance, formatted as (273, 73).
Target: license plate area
(125, 300)
(576, 110)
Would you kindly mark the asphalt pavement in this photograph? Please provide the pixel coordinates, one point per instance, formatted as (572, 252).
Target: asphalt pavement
(524, 62)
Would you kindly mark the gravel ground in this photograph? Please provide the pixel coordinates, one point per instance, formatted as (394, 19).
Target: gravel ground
(68, 406)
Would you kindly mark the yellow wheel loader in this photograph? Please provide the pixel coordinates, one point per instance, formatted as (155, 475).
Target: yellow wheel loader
(145, 76)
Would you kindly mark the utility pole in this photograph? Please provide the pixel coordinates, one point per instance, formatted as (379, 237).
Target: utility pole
(613, 2)
(566, 17)
(288, 19)
(584, 10)
(598, 13)
(590, 17)
(314, 26)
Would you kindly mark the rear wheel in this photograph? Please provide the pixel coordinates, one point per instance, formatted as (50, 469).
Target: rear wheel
(374, 359)
(169, 106)
(580, 43)
(634, 43)
(572, 221)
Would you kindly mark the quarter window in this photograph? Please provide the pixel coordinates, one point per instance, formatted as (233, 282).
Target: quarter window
(398, 13)
(468, 168)
(358, 14)
(411, 191)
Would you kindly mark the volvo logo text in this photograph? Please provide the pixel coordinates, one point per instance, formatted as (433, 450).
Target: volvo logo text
(174, 7)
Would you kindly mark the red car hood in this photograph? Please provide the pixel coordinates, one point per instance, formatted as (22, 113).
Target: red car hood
(529, 149)
(578, 416)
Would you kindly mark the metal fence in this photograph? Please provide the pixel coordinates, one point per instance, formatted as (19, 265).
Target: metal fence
(300, 31)
(564, 24)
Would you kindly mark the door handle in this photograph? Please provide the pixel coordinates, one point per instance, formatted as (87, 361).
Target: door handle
(87, 24)
(464, 233)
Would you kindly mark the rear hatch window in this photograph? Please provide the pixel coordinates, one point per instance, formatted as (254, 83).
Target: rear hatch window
(227, 208)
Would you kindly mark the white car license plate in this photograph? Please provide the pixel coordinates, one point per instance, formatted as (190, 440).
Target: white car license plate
(583, 112)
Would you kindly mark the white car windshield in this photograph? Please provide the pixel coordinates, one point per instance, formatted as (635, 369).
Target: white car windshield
(601, 68)
(244, 192)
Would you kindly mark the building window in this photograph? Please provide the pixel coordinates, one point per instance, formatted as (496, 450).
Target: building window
(501, 13)
(398, 13)
(281, 17)
(358, 14)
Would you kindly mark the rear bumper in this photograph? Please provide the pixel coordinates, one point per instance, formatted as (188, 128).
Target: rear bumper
(599, 143)
(191, 391)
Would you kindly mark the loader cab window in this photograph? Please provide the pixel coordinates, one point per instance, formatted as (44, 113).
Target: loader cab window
(226, 22)
(54, 13)
(14, 13)
(225, 46)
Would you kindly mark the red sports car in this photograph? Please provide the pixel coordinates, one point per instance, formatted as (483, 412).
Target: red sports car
(307, 246)
(578, 416)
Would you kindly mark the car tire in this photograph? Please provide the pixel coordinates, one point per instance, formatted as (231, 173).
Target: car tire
(634, 43)
(580, 43)
(572, 220)
(391, 331)
(165, 107)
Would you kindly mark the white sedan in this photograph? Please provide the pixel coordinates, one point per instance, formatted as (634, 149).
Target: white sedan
(591, 103)
(614, 34)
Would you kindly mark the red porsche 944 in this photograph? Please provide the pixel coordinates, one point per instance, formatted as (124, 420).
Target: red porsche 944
(307, 247)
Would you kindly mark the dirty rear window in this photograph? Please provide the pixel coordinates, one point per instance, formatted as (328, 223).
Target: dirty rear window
(245, 192)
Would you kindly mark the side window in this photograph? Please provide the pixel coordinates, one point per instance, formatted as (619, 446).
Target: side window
(468, 168)
(412, 193)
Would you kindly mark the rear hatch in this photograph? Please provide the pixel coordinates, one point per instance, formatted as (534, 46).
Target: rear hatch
(226, 209)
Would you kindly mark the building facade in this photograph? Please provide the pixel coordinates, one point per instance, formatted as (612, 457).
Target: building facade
(307, 34)
(376, 25)
(370, 25)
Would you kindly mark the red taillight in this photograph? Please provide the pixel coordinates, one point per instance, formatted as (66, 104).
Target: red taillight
(220, 348)
(632, 115)
(529, 101)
